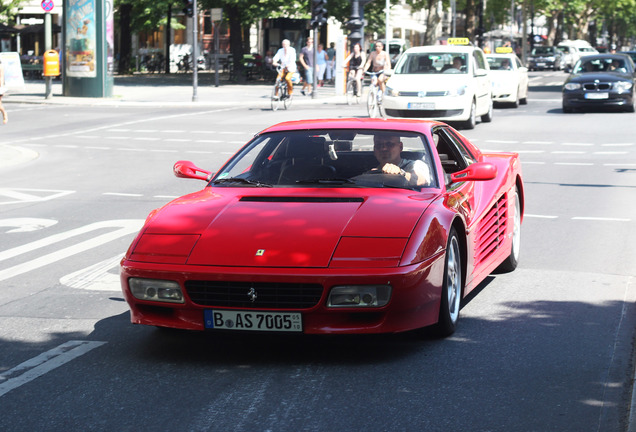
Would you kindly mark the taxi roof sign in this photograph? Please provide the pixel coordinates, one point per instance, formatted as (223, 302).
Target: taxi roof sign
(458, 41)
(503, 50)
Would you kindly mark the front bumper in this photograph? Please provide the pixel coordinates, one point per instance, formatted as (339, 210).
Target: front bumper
(578, 99)
(450, 108)
(414, 303)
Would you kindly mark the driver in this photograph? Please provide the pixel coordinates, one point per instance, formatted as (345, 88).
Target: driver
(387, 149)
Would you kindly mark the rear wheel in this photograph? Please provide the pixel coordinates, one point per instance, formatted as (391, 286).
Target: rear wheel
(275, 100)
(451, 288)
(287, 98)
(487, 118)
(352, 95)
(513, 259)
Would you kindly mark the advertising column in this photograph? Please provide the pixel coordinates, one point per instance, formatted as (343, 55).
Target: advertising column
(88, 48)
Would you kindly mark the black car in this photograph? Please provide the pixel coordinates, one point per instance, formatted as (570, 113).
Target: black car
(598, 81)
(545, 57)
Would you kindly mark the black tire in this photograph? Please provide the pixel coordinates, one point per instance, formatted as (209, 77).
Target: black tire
(567, 109)
(372, 104)
(275, 100)
(351, 86)
(631, 107)
(524, 100)
(511, 262)
(487, 118)
(287, 98)
(472, 120)
(452, 288)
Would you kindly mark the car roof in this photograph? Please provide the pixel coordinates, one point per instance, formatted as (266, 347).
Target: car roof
(413, 125)
(442, 49)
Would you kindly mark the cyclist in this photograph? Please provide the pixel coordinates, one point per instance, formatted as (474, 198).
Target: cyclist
(355, 60)
(379, 61)
(286, 57)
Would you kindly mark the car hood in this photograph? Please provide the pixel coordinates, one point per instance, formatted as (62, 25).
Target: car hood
(600, 76)
(427, 82)
(245, 227)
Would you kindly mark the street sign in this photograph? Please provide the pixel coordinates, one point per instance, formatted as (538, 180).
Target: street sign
(47, 5)
(216, 14)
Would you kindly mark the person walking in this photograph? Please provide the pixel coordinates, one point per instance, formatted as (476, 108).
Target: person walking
(321, 64)
(331, 62)
(3, 90)
(307, 61)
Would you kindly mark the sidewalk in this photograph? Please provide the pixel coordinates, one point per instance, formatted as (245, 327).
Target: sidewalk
(174, 90)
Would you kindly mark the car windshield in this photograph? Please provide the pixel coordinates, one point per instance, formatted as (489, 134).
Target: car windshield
(500, 63)
(325, 158)
(604, 64)
(432, 63)
(543, 51)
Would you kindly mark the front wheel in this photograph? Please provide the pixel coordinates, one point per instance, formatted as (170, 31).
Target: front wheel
(372, 103)
(351, 89)
(487, 118)
(451, 288)
(472, 118)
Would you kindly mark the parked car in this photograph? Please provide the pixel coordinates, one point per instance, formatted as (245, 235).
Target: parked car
(578, 49)
(545, 57)
(600, 81)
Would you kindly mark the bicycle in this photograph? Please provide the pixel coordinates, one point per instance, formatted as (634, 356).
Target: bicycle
(374, 97)
(280, 94)
(353, 92)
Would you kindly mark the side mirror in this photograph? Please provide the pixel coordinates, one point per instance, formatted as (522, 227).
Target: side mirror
(186, 169)
(479, 171)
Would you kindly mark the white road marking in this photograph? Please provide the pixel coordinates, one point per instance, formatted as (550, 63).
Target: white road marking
(121, 228)
(537, 142)
(610, 153)
(208, 141)
(540, 216)
(71, 146)
(122, 194)
(44, 363)
(26, 224)
(98, 148)
(20, 195)
(502, 142)
(95, 277)
(601, 219)
(578, 144)
(617, 145)
(574, 163)
(133, 149)
(173, 131)
(529, 151)
(525, 162)
(177, 140)
(166, 196)
(621, 164)
(568, 152)
(146, 139)
(117, 137)
(164, 151)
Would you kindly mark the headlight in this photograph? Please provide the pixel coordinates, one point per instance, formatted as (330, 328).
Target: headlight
(363, 296)
(391, 92)
(572, 86)
(156, 290)
(622, 86)
(459, 91)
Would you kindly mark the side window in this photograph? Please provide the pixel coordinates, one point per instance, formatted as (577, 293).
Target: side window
(450, 156)
(480, 62)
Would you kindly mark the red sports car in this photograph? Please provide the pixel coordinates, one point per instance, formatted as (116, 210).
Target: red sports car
(330, 226)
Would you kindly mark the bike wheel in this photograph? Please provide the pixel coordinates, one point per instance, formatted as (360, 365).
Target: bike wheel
(287, 99)
(275, 100)
(351, 86)
(372, 103)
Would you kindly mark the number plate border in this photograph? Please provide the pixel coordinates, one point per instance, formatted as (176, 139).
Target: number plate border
(208, 315)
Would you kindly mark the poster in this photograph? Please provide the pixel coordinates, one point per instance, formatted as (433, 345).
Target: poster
(81, 39)
(13, 78)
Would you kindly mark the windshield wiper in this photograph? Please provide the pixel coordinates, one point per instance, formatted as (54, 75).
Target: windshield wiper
(241, 181)
(326, 181)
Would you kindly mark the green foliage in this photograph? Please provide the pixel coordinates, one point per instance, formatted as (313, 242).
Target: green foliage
(9, 9)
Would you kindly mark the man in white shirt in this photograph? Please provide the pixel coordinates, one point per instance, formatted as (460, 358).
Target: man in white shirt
(286, 57)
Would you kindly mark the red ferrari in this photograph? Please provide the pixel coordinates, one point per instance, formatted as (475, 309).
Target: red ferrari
(330, 226)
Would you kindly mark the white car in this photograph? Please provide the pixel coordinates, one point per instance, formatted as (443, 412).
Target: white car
(442, 82)
(509, 79)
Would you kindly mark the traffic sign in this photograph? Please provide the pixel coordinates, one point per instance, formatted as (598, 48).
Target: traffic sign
(47, 5)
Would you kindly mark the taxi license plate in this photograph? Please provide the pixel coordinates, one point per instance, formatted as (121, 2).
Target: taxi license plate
(422, 105)
(597, 95)
(253, 320)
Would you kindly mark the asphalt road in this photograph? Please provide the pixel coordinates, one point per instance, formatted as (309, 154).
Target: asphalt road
(545, 348)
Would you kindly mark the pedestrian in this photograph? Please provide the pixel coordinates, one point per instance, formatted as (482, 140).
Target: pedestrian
(331, 63)
(307, 61)
(3, 90)
(321, 64)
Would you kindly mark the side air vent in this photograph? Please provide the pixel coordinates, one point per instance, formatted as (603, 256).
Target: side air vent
(491, 231)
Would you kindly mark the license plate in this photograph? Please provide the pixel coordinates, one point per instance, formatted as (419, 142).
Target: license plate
(540, 64)
(596, 95)
(253, 320)
(422, 105)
